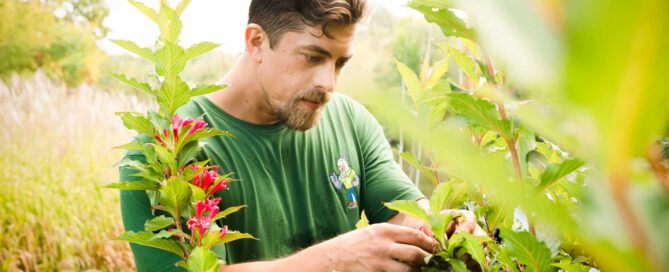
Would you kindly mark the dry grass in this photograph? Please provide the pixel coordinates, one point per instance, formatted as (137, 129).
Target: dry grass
(54, 157)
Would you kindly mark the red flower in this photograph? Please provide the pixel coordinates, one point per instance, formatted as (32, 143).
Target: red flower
(205, 210)
(205, 179)
(199, 124)
(223, 184)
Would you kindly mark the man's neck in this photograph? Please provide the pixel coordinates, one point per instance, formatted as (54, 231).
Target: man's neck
(243, 98)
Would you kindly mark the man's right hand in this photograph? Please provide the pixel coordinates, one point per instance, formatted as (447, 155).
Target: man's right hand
(379, 247)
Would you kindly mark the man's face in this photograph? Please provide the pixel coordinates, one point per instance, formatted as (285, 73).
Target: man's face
(298, 76)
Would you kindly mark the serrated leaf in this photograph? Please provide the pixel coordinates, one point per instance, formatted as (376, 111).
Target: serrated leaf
(182, 6)
(134, 48)
(203, 260)
(137, 122)
(458, 265)
(527, 250)
(170, 60)
(158, 223)
(465, 62)
(475, 249)
(135, 83)
(134, 185)
(439, 13)
(228, 211)
(205, 89)
(438, 70)
(200, 48)
(175, 196)
(413, 84)
(439, 196)
(165, 234)
(233, 236)
(555, 172)
(410, 208)
(411, 159)
(173, 94)
(480, 112)
(188, 153)
(134, 145)
(438, 224)
(206, 133)
(144, 238)
(147, 11)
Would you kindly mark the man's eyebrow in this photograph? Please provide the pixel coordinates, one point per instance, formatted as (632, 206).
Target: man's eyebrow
(322, 51)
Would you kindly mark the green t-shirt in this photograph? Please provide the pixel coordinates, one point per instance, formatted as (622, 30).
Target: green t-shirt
(289, 180)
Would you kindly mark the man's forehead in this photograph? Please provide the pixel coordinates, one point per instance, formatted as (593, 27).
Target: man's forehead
(311, 38)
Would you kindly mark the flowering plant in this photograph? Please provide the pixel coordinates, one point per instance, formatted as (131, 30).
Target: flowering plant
(179, 187)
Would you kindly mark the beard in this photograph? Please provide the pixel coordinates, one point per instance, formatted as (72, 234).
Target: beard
(298, 115)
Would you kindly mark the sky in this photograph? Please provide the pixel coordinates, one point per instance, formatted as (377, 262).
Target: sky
(219, 21)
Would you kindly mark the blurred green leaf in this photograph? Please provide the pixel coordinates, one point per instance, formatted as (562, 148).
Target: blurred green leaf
(202, 259)
(137, 122)
(410, 208)
(527, 249)
(555, 172)
(158, 223)
(413, 84)
(134, 185)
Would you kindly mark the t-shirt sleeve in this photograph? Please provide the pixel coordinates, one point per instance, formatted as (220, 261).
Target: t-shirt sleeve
(135, 210)
(384, 180)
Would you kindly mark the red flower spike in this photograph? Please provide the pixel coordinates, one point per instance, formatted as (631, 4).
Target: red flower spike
(199, 124)
(157, 137)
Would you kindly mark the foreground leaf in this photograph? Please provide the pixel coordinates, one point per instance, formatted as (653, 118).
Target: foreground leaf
(144, 238)
(202, 259)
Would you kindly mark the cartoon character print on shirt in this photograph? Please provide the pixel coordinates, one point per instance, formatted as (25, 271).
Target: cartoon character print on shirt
(348, 178)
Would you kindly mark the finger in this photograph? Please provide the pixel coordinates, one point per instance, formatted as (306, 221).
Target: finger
(406, 235)
(408, 254)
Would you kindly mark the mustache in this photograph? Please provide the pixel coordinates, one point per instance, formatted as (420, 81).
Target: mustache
(315, 96)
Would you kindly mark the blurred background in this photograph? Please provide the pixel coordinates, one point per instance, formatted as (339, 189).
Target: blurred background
(58, 103)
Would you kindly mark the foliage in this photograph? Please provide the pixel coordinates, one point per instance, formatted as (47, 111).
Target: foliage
(32, 36)
(548, 131)
(176, 183)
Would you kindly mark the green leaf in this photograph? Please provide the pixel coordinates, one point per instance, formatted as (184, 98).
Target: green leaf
(438, 224)
(555, 172)
(439, 196)
(138, 50)
(149, 12)
(182, 6)
(135, 84)
(144, 238)
(438, 70)
(233, 236)
(475, 249)
(171, 60)
(202, 259)
(134, 145)
(134, 185)
(137, 122)
(188, 153)
(165, 234)
(480, 112)
(411, 159)
(198, 193)
(466, 63)
(440, 14)
(410, 208)
(414, 86)
(175, 196)
(158, 223)
(206, 133)
(200, 48)
(205, 89)
(228, 211)
(527, 249)
(173, 94)
(363, 222)
(458, 265)
(164, 155)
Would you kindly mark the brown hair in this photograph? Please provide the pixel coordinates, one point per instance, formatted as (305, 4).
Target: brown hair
(277, 17)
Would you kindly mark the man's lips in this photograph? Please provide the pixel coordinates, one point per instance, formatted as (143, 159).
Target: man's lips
(311, 104)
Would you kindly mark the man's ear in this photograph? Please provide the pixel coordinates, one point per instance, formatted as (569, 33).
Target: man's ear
(254, 37)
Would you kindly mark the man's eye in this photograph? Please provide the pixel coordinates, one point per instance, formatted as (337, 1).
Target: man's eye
(313, 59)
(340, 64)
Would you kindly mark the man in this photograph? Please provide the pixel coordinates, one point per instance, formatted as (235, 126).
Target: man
(291, 130)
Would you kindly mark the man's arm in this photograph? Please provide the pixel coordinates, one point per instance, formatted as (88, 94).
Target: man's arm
(379, 247)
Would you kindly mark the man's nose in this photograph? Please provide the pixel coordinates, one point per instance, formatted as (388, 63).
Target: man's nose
(326, 78)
